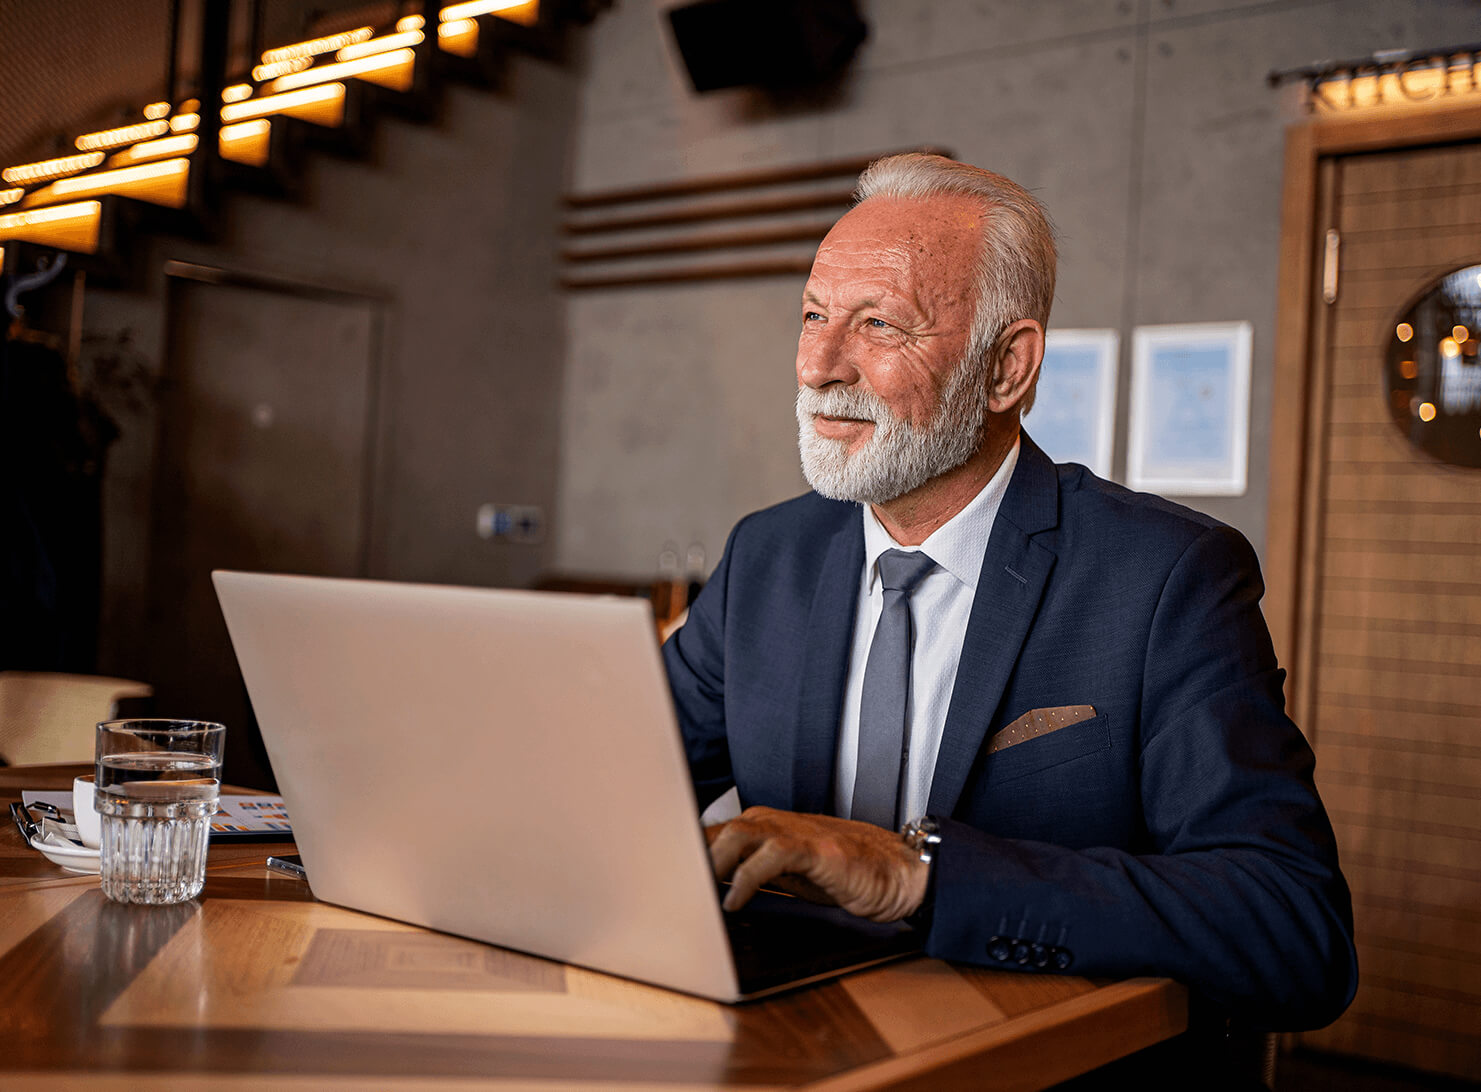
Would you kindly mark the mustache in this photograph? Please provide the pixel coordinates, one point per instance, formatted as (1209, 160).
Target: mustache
(840, 401)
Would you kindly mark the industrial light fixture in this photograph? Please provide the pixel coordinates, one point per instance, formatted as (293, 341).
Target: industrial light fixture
(406, 39)
(47, 169)
(322, 105)
(161, 183)
(66, 227)
(150, 150)
(277, 68)
(315, 46)
(393, 70)
(458, 36)
(516, 11)
(246, 142)
(126, 134)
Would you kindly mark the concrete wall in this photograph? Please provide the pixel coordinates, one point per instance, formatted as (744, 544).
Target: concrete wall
(451, 224)
(1146, 126)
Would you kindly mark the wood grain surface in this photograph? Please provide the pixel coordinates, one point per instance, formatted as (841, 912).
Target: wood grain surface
(255, 980)
(1380, 556)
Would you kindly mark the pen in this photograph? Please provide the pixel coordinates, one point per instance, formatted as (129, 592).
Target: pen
(23, 822)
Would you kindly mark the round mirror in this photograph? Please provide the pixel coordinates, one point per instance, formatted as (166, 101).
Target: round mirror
(1433, 374)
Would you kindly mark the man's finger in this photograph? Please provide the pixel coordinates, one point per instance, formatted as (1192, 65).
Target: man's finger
(770, 860)
(732, 845)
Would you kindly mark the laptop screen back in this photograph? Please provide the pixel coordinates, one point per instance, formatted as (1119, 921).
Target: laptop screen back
(502, 765)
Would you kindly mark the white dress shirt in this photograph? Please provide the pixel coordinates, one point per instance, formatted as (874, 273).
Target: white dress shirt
(939, 609)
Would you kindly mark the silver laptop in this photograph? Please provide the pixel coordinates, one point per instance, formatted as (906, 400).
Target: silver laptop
(506, 766)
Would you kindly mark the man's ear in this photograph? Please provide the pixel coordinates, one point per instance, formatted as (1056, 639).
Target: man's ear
(1016, 359)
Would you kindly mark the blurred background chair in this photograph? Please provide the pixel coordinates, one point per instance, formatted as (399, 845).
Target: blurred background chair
(50, 717)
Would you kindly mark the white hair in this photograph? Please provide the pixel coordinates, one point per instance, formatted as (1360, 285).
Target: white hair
(1016, 261)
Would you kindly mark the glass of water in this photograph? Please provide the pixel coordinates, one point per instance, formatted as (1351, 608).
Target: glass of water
(158, 784)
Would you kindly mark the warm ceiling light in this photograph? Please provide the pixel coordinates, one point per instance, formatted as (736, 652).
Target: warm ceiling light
(126, 134)
(404, 40)
(388, 69)
(271, 71)
(46, 169)
(1404, 331)
(1426, 411)
(1460, 333)
(151, 150)
(1408, 369)
(161, 183)
(410, 22)
(1448, 347)
(246, 142)
(321, 105)
(184, 123)
(68, 227)
(318, 45)
(459, 36)
(469, 8)
(157, 110)
(236, 92)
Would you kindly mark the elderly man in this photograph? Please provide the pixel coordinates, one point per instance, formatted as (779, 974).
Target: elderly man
(1063, 689)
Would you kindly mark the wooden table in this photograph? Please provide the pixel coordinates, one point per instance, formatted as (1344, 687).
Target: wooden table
(256, 980)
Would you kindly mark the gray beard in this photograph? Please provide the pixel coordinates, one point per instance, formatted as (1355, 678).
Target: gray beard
(899, 456)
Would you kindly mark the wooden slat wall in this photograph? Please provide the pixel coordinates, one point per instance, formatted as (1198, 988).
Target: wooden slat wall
(654, 234)
(1395, 646)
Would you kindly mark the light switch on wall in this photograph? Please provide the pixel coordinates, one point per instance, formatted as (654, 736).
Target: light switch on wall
(522, 523)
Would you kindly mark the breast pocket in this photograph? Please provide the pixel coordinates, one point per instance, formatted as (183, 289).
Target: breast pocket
(1045, 752)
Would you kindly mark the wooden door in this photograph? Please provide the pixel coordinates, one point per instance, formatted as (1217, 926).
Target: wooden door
(1388, 635)
(263, 464)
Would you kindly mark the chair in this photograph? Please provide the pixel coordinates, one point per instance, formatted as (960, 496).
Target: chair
(51, 717)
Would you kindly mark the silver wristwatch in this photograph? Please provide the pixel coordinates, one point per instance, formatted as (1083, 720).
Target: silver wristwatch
(922, 835)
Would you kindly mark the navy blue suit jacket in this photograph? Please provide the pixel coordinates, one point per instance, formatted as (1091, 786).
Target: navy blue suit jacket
(1177, 832)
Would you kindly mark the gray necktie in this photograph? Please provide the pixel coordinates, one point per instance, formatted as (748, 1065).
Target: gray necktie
(882, 738)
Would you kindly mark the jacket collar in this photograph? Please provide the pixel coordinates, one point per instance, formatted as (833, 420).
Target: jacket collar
(830, 628)
(1015, 570)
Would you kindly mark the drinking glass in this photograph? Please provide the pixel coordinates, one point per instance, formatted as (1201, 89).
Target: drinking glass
(158, 784)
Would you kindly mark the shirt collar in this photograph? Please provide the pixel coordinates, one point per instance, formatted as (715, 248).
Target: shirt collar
(958, 545)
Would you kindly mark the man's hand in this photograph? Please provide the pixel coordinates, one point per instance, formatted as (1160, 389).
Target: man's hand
(865, 869)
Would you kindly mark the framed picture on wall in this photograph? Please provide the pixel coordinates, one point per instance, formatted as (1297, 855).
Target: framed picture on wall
(1190, 409)
(1074, 414)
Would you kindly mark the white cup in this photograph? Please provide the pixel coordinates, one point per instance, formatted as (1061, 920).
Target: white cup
(89, 827)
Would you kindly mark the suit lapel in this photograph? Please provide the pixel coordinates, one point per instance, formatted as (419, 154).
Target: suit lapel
(1015, 570)
(830, 633)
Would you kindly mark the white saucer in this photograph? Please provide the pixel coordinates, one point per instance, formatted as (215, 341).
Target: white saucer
(70, 855)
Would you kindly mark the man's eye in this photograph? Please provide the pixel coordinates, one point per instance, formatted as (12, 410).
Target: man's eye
(878, 323)
(811, 316)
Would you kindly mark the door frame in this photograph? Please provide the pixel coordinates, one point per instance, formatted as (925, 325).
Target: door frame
(376, 406)
(1297, 418)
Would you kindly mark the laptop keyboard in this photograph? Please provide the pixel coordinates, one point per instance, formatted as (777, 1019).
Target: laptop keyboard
(777, 939)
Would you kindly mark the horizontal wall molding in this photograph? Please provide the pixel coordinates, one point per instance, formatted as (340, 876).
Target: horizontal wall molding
(646, 229)
(736, 180)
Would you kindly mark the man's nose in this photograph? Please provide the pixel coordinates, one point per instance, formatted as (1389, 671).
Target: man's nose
(823, 358)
